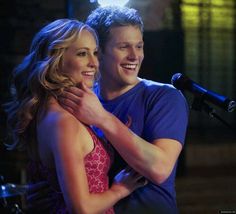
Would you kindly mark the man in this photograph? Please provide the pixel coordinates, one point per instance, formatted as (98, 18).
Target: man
(145, 121)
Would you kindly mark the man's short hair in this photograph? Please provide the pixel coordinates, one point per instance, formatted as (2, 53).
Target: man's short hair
(103, 19)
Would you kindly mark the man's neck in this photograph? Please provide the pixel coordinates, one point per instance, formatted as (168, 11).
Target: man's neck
(110, 93)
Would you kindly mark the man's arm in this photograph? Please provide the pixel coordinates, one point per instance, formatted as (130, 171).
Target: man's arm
(154, 160)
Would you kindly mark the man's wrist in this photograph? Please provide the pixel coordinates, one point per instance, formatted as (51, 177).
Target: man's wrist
(104, 121)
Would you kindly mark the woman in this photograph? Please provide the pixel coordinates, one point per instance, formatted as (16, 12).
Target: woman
(63, 150)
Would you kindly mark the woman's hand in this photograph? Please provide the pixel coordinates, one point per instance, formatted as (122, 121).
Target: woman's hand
(126, 181)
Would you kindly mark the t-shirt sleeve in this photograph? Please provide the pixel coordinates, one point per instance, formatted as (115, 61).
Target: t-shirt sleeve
(167, 115)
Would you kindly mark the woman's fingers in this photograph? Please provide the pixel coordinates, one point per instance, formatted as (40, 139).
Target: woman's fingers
(136, 176)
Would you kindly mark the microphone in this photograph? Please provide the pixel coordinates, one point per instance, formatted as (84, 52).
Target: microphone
(182, 82)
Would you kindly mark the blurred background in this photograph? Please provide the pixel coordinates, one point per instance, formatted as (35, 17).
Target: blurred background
(193, 37)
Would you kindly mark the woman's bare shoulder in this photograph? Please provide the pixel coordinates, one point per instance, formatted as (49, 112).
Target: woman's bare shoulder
(57, 117)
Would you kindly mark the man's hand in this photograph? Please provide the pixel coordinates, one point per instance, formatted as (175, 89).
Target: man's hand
(83, 104)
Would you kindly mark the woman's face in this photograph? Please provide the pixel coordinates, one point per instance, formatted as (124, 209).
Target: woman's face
(80, 60)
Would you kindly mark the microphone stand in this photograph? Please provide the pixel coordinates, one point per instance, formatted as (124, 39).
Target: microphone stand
(8, 207)
(199, 105)
(3, 199)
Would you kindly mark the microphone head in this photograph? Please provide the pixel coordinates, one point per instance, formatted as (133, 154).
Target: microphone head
(180, 81)
(175, 77)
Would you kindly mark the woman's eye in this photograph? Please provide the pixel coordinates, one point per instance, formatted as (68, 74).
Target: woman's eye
(82, 53)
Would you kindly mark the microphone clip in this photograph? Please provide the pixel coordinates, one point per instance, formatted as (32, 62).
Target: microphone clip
(199, 104)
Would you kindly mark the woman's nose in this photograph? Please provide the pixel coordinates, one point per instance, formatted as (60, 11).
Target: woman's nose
(93, 61)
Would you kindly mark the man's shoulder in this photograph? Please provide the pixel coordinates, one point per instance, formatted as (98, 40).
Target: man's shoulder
(95, 88)
(154, 86)
(157, 92)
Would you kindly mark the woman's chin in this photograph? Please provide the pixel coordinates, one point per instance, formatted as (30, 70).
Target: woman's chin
(89, 84)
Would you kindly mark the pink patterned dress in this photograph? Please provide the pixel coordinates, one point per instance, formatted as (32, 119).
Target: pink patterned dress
(97, 165)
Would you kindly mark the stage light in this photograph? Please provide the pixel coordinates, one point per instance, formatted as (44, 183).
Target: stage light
(110, 2)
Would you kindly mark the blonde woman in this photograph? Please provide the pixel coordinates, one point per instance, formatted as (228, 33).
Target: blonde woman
(63, 150)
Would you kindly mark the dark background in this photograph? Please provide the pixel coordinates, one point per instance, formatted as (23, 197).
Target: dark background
(177, 39)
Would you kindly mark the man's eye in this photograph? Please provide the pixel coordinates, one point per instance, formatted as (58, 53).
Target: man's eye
(140, 46)
(123, 47)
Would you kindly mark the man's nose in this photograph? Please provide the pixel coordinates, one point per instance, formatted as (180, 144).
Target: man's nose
(133, 54)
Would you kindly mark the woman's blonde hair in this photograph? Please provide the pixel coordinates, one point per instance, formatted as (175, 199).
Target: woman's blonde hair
(38, 76)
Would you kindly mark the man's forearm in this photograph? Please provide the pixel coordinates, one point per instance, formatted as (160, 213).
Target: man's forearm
(146, 158)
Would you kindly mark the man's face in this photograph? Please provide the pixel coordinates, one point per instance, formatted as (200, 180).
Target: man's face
(122, 57)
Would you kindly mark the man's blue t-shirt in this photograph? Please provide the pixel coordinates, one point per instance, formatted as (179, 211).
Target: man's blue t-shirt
(151, 110)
